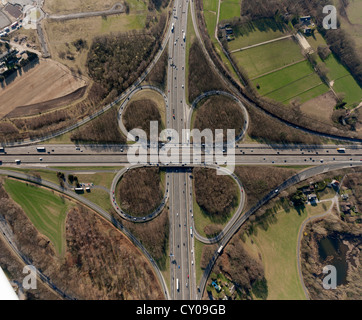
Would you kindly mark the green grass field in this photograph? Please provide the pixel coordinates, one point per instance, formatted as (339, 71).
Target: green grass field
(281, 78)
(265, 58)
(344, 82)
(311, 93)
(44, 174)
(100, 198)
(198, 253)
(298, 80)
(311, 84)
(335, 68)
(278, 248)
(316, 40)
(230, 9)
(352, 91)
(256, 32)
(45, 209)
(210, 5)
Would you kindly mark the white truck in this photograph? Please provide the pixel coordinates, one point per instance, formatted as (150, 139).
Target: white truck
(220, 249)
(172, 27)
(177, 285)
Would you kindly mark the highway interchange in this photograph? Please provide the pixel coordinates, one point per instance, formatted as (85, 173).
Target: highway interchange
(179, 193)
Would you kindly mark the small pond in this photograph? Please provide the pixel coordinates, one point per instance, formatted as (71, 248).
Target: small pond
(332, 247)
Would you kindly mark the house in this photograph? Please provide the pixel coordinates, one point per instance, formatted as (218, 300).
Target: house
(306, 20)
(307, 30)
(345, 196)
(335, 183)
(307, 25)
(309, 189)
(216, 286)
(312, 198)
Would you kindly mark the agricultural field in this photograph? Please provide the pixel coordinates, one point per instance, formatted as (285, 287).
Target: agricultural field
(35, 89)
(303, 89)
(256, 32)
(278, 248)
(266, 58)
(45, 209)
(275, 80)
(279, 72)
(229, 9)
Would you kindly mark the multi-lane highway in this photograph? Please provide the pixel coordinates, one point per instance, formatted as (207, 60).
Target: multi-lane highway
(183, 282)
(69, 155)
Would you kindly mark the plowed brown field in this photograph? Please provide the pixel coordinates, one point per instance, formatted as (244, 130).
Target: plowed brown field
(46, 81)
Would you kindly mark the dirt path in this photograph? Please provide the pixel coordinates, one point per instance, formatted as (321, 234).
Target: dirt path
(116, 9)
(261, 43)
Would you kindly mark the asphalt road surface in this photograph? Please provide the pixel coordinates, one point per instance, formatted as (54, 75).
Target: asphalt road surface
(183, 281)
(70, 155)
